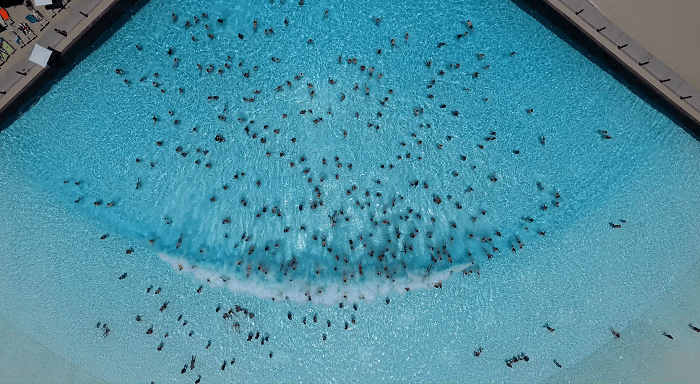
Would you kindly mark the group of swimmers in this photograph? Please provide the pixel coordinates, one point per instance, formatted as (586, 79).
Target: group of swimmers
(316, 177)
(378, 251)
(397, 224)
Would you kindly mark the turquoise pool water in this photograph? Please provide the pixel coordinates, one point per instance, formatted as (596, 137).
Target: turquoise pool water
(446, 222)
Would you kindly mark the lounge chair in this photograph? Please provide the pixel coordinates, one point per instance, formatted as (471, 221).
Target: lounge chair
(24, 27)
(4, 55)
(18, 39)
(6, 16)
(6, 46)
(35, 17)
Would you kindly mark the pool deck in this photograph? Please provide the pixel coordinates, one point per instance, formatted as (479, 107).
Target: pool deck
(656, 41)
(84, 21)
(677, 46)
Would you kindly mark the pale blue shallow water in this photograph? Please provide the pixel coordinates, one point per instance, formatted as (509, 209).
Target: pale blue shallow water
(582, 277)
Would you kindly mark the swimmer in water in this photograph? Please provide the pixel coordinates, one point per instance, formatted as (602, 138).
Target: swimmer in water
(616, 334)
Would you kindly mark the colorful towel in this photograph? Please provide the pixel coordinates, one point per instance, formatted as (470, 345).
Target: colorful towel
(31, 19)
(7, 47)
(4, 14)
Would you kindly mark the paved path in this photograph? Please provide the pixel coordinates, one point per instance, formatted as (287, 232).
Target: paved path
(668, 29)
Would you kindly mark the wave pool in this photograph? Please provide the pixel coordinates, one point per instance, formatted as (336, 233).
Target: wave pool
(317, 191)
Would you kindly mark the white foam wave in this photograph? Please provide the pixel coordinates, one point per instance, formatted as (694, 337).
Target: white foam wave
(321, 293)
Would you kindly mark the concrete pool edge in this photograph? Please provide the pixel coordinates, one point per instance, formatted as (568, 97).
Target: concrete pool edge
(599, 49)
(20, 96)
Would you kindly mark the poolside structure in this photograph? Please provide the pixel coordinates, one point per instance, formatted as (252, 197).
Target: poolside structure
(40, 55)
